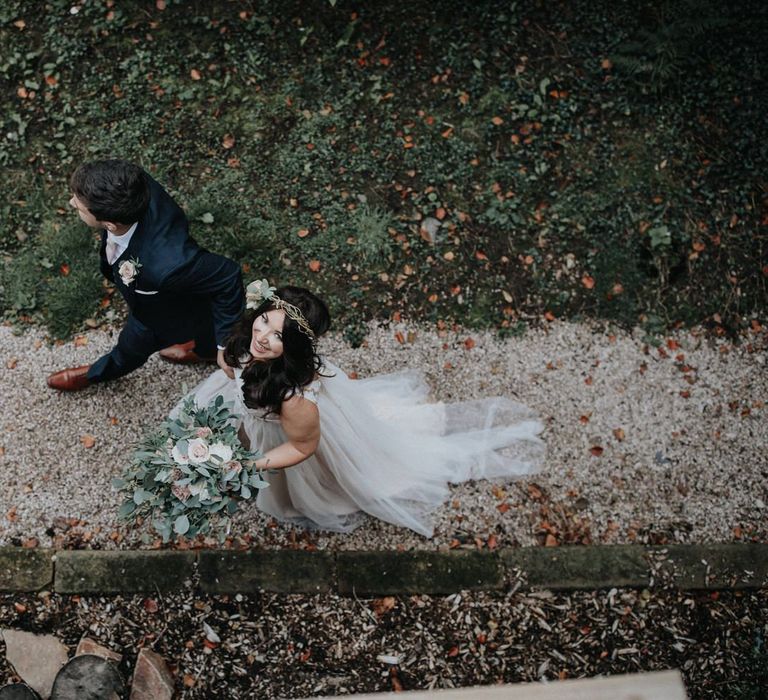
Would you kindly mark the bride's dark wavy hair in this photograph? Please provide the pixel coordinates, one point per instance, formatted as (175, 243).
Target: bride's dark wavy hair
(267, 384)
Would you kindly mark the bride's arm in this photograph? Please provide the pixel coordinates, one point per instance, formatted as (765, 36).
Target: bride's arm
(300, 421)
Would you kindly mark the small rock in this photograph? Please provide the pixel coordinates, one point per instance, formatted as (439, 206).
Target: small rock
(88, 677)
(210, 634)
(37, 658)
(18, 691)
(88, 646)
(152, 680)
(581, 503)
(390, 659)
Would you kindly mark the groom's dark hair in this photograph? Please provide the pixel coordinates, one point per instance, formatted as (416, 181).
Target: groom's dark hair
(113, 190)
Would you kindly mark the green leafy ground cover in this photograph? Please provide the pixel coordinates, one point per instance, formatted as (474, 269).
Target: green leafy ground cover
(486, 163)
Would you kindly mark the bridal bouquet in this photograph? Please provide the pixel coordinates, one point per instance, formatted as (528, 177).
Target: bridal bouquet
(190, 473)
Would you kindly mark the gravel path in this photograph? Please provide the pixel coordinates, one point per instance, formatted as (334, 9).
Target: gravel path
(644, 444)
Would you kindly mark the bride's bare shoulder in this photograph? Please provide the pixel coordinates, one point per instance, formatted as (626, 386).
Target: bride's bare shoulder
(298, 406)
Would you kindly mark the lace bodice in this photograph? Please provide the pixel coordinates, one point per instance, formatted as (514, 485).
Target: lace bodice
(311, 391)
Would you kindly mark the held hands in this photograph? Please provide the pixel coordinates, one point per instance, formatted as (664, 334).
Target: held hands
(221, 363)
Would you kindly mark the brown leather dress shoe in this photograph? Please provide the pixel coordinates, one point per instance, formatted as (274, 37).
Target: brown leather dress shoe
(183, 354)
(72, 379)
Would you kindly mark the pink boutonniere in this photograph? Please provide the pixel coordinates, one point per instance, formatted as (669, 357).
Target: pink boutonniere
(129, 270)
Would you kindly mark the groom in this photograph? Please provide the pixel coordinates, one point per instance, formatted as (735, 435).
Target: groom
(182, 300)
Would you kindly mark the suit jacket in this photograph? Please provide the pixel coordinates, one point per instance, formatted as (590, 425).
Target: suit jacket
(177, 283)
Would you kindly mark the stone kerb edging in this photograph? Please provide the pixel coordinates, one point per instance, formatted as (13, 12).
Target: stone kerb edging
(713, 567)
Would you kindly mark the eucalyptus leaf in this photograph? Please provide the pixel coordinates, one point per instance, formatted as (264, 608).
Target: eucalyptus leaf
(126, 509)
(181, 525)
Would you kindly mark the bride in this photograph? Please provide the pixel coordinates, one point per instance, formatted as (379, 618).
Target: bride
(335, 448)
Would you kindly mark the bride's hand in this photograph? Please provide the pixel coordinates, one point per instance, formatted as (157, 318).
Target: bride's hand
(227, 369)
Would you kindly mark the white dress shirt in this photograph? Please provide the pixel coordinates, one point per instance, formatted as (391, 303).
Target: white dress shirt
(121, 241)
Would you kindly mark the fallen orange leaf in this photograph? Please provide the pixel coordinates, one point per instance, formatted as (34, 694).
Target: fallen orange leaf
(383, 605)
(88, 441)
(535, 492)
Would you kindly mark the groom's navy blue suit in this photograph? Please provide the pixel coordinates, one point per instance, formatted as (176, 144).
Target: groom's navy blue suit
(180, 292)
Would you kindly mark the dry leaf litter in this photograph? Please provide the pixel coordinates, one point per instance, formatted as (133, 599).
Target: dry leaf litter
(288, 646)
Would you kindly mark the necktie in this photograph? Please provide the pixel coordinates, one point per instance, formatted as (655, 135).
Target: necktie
(112, 251)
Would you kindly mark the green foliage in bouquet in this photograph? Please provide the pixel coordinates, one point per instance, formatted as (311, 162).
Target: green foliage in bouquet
(188, 475)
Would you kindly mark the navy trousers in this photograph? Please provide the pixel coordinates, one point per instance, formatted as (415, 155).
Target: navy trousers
(137, 343)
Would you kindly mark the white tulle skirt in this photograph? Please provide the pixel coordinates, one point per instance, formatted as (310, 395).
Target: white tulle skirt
(384, 450)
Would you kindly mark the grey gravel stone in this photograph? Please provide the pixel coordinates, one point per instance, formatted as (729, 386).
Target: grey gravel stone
(88, 677)
(18, 691)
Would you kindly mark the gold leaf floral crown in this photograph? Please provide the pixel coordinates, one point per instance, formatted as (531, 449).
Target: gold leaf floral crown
(259, 291)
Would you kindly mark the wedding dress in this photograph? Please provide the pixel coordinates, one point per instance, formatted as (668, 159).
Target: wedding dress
(383, 449)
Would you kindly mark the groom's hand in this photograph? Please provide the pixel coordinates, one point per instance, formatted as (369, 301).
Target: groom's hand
(227, 369)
